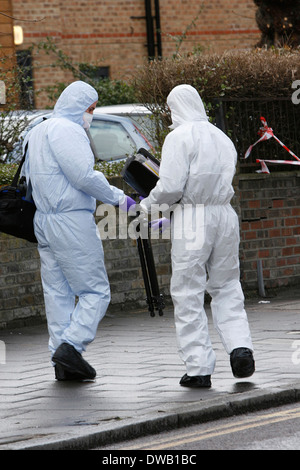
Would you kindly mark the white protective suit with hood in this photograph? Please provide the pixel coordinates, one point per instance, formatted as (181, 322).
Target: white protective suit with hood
(65, 187)
(197, 167)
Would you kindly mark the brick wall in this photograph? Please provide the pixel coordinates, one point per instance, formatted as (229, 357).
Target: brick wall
(21, 295)
(113, 33)
(270, 228)
(6, 28)
(220, 25)
(269, 211)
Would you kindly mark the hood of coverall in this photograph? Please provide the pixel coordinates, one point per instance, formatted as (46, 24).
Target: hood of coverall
(185, 105)
(74, 101)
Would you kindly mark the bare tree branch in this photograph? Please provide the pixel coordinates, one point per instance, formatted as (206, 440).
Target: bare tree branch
(18, 19)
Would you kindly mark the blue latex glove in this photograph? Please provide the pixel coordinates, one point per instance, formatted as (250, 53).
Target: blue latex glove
(128, 202)
(160, 224)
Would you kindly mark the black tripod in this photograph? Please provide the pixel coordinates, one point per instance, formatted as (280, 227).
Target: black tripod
(140, 172)
(154, 299)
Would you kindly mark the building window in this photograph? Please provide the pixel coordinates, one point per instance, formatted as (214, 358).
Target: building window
(94, 72)
(24, 62)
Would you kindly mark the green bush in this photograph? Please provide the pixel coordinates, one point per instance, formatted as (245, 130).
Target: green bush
(237, 75)
(109, 91)
(8, 170)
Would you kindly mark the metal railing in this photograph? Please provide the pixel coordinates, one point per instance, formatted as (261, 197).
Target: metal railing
(240, 120)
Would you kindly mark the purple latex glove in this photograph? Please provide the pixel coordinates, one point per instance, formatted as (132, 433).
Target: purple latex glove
(128, 202)
(160, 224)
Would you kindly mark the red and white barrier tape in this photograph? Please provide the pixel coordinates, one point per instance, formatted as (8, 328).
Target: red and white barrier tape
(267, 133)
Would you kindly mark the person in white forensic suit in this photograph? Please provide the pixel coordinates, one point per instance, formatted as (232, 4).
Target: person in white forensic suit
(197, 167)
(65, 187)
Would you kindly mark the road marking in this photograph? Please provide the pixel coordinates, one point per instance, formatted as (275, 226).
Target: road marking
(220, 430)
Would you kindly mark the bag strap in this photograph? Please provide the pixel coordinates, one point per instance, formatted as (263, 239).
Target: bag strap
(17, 175)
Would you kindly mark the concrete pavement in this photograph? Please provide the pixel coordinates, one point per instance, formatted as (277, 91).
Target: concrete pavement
(137, 388)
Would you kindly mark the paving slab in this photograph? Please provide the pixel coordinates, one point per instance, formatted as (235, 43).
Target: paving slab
(137, 389)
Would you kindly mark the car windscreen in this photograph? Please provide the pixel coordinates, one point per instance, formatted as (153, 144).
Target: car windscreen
(111, 139)
(146, 125)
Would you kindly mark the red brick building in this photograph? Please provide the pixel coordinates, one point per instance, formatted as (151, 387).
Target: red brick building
(118, 35)
(6, 27)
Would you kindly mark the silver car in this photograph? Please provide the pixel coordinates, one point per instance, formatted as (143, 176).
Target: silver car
(113, 138)
(139, 114)
(116, 137)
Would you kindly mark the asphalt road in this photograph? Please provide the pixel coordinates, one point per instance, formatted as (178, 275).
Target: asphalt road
(273, 429)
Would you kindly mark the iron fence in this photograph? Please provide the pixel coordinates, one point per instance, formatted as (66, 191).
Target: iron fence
(240, 120)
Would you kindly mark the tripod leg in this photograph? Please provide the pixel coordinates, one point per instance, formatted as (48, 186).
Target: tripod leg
(145, 277)
(158, 298)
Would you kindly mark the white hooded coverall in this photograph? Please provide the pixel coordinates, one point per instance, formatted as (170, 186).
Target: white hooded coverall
(197, 167)
(65, 187)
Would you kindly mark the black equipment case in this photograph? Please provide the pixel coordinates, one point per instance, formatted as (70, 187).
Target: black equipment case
(141, 172)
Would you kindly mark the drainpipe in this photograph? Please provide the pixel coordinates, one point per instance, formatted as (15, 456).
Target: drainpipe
(261, 287)
(154, 48)
(158, 31)
(150, 30)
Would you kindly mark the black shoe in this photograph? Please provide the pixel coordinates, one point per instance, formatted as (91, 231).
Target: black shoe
(197, 381)
(62, 374)
(242, 362)
(72, 362)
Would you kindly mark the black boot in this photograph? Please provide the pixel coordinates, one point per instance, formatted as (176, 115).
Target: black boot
(242, 362)
(72, 362)
(62, 374)
(197, 381)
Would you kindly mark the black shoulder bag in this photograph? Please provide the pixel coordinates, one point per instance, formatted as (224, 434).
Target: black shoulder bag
(17, 207)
